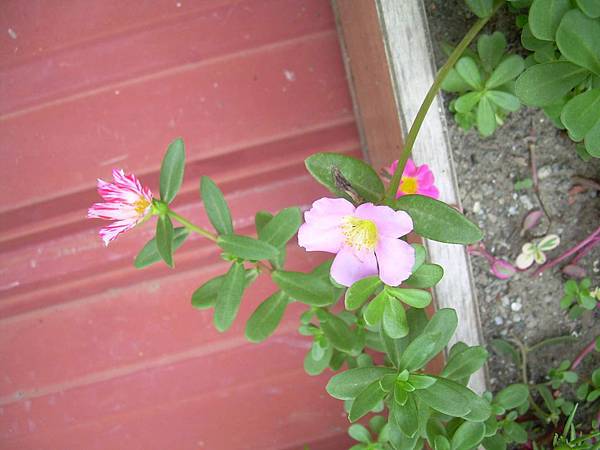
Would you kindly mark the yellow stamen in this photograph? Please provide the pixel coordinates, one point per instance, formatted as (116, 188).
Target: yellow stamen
(141, 205)
(409, 185)
(360, 233)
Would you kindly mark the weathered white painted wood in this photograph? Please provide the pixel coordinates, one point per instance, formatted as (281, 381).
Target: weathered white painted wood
(408, 47)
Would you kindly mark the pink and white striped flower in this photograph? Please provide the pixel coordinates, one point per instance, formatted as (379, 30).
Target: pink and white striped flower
(126, 203)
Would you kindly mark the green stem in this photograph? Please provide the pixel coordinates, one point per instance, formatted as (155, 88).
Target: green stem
(190, 226)
(552, 341)
(431, 94)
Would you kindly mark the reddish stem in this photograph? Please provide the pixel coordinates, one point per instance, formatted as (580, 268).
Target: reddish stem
(568, 253)
(584, 251)
(583, 353)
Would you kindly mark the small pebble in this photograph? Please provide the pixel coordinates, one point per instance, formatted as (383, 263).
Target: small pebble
(544, 172)
(516, 318)
(516, 306)
(526, 201)
(477, 207)
(498, 320)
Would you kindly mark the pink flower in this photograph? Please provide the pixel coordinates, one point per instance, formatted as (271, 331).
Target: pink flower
(365, 240)
(126, 203)
(415, 180)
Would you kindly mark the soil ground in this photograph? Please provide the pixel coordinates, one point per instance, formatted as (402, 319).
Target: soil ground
(523, 307)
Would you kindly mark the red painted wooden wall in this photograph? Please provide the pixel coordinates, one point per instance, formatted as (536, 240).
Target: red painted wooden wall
(93, 353)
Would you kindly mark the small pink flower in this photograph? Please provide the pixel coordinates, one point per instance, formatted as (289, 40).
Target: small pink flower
(126, 203)
(415, 180)
(365, 239)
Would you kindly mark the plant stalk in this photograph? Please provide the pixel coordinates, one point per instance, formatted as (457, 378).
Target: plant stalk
(431, 94)
(190, 226)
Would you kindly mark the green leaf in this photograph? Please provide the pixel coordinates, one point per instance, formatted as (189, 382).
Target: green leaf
(469, 71)
(406, 416)
(149, 254)
(578, 39)
(466, 102)
(437, 221)
(507, 70)
(366, 401)
(373, 313)
(394, 319)
(545, 16)
(420, 256)
(547, 83)
(592, 141)
(446, 397)
(581, 114)
(360, 291)
(306, 288)
(416, 298)
(503, 347)
(590, 7)
(530, 42)
(454, 82)
(359, 433)
(338, 333)
(468, 435)
(441, 443)
(515, 432)
(504, 100)
(359, 174)
(246, 247)
(261, 218)
(164, 239)
(265, 319)
(282, 227)
(425, 277)
(465, 363)
(496, 442)
(512, 396)
(215, 206)
(491, 49)
(481, 8)
(171, 170)
(349, 384)
(206, 295)
(486, 118)
(229, 296)
(315, 367)
(431, 341)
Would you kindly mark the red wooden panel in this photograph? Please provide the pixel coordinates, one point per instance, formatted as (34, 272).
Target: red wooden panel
(93, 353)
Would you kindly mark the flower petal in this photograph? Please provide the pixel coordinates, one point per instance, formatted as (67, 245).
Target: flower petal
(313, 238)
(390, 223)
(396, 259)
(328, 212)
(429, 191)
(347, 268)
(524, 260)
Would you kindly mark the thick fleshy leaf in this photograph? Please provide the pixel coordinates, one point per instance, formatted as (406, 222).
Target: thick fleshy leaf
(545, 16)
(546, 84)
(360, 291)
(316, 367)
(306, 288)
(512, 396)
(359, 433)
(171, 170)
(420, 256)
(466, 102)
(578, 39)
(149, 254)
(338, 333)
(591, 8)
(347, 385)
(406, 416)
(265, 319)
(164, 239)
(229, 296)
(206, 295)
(216, 206)
(504, 100)
(582, 113)
(437, 221)
(446, 397)
(416, 298)
(454, 82)
(361, 176)
(394, 319)
(282, 227)
(366, 401)
(246, 247)
(425, 277)
(464, 364)
(431, 341)
(373, 313)
(468, 435)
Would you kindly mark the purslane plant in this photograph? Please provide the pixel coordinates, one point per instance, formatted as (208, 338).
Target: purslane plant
(383, 280)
